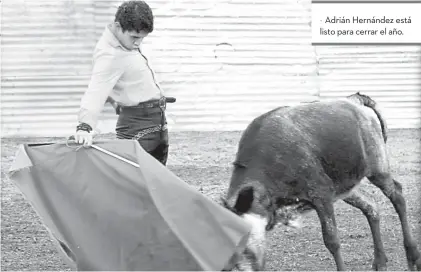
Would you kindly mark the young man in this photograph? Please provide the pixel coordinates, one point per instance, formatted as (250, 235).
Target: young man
(121, 75)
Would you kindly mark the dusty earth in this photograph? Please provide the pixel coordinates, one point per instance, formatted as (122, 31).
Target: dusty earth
(203, 160)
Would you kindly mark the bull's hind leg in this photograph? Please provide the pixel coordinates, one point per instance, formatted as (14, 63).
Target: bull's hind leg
(358, 200)
(393, 190)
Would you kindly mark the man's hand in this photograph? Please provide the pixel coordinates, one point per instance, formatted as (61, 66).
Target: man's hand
(83, 137)
(84, 134)
(115, 105)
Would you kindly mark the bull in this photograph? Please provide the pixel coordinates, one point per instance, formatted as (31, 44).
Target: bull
(306, 157)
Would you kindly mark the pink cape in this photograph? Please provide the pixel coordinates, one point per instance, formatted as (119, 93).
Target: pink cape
(111, 215)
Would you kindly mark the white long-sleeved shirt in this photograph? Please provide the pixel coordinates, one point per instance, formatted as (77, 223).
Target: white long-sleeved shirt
(119, 73)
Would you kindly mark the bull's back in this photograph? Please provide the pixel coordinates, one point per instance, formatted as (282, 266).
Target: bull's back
(322, 134)
(336, 133)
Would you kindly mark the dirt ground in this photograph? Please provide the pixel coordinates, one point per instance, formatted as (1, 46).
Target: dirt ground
(204, 161)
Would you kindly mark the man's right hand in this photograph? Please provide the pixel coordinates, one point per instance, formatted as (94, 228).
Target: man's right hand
(83, 137)
(84, 134)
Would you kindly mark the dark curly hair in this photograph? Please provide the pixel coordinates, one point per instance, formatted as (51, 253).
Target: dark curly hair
(135, 16)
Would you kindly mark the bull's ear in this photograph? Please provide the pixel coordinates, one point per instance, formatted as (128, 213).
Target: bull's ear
(244, 200)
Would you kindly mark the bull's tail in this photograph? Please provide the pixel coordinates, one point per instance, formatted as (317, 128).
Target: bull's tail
(369, 102)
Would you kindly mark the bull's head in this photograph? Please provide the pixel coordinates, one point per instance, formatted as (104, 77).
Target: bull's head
(255, 206)
(255, 209)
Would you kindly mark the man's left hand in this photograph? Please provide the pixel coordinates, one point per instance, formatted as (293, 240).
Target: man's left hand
(115, 105)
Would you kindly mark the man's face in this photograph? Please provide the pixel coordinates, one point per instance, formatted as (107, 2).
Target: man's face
(131, 40)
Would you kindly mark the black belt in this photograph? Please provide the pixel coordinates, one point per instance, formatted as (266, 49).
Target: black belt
(158, 103)
(151, 104)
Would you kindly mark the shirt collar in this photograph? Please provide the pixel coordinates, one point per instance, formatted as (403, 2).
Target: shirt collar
(110, 38)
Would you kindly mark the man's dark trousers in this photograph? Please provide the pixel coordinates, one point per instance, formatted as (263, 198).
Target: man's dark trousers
(148, 126)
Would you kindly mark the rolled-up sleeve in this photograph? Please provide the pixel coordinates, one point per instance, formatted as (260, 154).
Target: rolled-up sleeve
(107, 70)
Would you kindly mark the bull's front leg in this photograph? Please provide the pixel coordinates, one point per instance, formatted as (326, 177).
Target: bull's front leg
(358, 199)
(325, 211)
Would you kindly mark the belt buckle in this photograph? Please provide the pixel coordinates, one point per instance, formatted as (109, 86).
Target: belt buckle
(161, 103)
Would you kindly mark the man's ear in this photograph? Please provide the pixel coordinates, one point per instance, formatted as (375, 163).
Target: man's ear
(117, 26)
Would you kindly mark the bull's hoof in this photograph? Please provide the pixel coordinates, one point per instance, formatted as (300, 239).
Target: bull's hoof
(417, 265)
(414, 259)
(379, 265)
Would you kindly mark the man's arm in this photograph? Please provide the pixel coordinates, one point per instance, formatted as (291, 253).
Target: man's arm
(106, 72)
